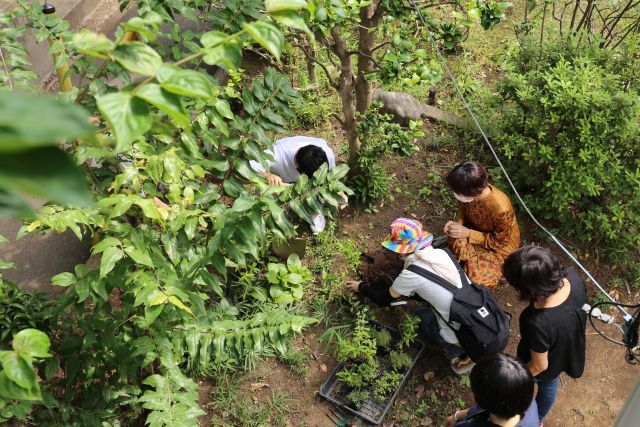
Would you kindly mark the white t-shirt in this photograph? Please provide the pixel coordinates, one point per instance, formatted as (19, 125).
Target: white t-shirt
(409, 283)
(284, 151)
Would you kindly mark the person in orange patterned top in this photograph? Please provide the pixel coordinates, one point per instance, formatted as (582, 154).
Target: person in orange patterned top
(485, 230)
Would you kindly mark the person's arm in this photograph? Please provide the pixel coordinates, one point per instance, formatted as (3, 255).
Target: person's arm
(500, 236)
(457, 416)
(539, 362)
(382, 297)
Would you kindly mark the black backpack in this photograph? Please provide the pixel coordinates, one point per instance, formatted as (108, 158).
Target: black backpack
(484, 326)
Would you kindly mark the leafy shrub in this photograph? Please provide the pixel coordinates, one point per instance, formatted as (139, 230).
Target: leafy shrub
(287, 280)
(570, 128)
(380, 136)
(19, 310)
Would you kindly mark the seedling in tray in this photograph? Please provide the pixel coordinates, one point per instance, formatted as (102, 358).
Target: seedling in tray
(374, 363)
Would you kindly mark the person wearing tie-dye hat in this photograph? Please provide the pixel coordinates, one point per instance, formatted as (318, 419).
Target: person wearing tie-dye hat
(409, 239)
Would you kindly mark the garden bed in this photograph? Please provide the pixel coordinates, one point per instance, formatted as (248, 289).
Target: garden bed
(371, 409)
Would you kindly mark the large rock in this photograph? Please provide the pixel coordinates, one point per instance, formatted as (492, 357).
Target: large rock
(404, 108)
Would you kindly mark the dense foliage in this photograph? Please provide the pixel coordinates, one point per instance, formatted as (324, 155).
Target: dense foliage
(181, 224)
(571, 128)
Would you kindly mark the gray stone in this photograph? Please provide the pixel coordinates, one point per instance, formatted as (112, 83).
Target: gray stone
(404, 108)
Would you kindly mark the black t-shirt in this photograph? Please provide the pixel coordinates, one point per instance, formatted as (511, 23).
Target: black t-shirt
(558, 330)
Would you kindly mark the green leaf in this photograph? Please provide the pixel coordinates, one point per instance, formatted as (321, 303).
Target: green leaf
(44, 172)
(186, 82)
(224, 109)
(109, 259)
(63, 279)
(12, 205)
(291, 19)
(93, 44)
(17, 369)
(158, 299)
(30, 121)
(32, 342)
(278, 5)
(217, 50)
(105, 243)
(176, 301)
(139, 256)
(138, 58)
(267, 35)
(3, 239)
(127, 116)
(10, 390)
(165, 101)
(5, 265)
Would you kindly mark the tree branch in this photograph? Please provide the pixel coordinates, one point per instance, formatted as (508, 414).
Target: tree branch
(314, 60)
(380, 46)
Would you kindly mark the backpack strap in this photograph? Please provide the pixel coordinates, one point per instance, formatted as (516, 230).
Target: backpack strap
(463, 276)
(434, 278)
(437, 280)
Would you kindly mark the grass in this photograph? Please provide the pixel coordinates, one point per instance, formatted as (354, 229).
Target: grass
(232, 407)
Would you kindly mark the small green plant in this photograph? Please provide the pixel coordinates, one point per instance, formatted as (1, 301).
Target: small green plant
(287, 281)
(296, 360)
(357, 397)
(360, 346)
(386, 384)
(383, 338)
(451, 34)
(351, 252)
(399, 360)
(409, 330)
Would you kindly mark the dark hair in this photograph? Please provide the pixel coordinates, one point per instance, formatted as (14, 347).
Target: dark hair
(468, 178)
(535, 272)
(502, 385)
(309, 159)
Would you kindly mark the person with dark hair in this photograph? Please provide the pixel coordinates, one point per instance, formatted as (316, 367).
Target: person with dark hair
(503, 390)
(552, 327)
(408, 239)
(485, 229)
(295, 156)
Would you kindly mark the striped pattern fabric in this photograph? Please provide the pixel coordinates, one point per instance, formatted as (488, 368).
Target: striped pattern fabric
(407, 236)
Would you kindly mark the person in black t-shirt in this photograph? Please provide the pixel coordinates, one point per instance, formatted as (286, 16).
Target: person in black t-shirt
(503, 390)
(553, 325)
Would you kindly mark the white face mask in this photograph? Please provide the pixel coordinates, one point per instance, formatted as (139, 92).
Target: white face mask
(463, 199)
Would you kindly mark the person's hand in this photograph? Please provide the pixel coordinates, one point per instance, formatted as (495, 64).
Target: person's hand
(456, 231)
(451, 421)
(353, 285)
(273, 179)
(346, 200)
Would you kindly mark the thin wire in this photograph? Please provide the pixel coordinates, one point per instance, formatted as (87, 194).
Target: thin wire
(625, 315)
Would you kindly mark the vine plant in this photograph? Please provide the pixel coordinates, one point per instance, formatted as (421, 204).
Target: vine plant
(177, 214)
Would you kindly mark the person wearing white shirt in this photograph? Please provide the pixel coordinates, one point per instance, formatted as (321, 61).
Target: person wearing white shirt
(294, 156)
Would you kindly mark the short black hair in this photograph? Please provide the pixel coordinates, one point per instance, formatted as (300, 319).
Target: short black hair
(534, 271)
(468, 178)
(502, 385)
(309, 159)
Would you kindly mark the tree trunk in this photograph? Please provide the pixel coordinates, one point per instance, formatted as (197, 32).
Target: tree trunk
(369, 19)
(347, 96)
(311, 70)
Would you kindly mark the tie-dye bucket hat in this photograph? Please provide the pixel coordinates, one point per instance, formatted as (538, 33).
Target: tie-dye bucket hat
(407, 236)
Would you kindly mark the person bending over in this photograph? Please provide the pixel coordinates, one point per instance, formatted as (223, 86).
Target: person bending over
(503, 390)
(484, 231)
(552, 327)
(409, 240)
(294, 156)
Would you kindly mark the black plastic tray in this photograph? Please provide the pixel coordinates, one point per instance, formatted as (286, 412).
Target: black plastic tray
(372, 410)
